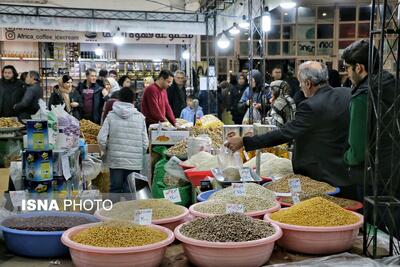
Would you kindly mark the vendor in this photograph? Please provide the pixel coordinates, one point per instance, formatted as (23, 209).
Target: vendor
(319, 129)
(155, 105)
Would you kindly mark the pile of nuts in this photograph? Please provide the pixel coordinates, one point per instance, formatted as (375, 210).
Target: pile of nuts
(308, 185)
(10, 123)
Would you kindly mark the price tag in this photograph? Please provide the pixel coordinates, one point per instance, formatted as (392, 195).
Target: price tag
(239, 189)
(172, 195)
(295, 198)
(143, 216)
(65, 167)
(89, 194)
(245, 175)
(17, 197)
(295, 185)
(234, 208)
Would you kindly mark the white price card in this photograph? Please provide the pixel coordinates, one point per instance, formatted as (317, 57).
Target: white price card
(234, 208)
(295, 185)
(143, 216)
(295, 198)
(172, 195)
(65, 167)
(245, 175)
(17, 197)
(89, 194)
(239, 189)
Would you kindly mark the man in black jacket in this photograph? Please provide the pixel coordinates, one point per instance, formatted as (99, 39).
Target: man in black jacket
(92, 97)
(319, 129)
(12, 91)
(29, 104)
(177, 93)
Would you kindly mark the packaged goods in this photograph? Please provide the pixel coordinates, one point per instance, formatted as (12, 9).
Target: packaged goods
(45, 223)
(119, 234)
(250, 203)
(203, 161)
(315, 212)
(342, 202)
(38, 165)
(38, 135)
(265, 158)
(276, 167)
(308, 185)
(234, 227)
(251, 189)
(161, 209)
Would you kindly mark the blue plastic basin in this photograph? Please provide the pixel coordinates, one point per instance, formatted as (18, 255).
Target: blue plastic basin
(35, 243)
(205, 195)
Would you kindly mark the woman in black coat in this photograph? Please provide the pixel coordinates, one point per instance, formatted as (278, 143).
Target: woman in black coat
(64, 93)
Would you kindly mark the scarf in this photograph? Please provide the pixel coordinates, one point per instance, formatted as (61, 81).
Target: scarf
(65, 95)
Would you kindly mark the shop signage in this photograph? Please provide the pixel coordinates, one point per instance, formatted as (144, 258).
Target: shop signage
(34, 35)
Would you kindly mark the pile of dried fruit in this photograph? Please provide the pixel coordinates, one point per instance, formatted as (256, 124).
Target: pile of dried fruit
(89, 130)
(234, 227)
(6, 122)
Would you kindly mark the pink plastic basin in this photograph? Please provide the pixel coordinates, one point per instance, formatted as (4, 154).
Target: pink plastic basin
(90, 256)
(170, 223)
(318, 240)
(253, 214)
(228, 254)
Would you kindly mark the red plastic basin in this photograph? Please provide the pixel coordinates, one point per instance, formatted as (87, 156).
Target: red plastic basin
(195, 176)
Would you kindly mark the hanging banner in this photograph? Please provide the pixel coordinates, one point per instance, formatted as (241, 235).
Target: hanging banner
(34, 35)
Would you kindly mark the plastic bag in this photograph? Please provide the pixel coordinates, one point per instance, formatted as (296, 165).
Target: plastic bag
(174, 174)
(197, 144)
(227, 158)
(159, 185)
(256, 116)
(12, 153)
(52, 122)
(68, 128)
(91, 168)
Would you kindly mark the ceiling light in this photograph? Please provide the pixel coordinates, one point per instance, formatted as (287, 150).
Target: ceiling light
(118, 40)
(266, 22)
(223, 41)
(285, 14)
(234, 30)
(244, 24)
(186, 54)
(288, 4)
(99, 51)
(324, 14)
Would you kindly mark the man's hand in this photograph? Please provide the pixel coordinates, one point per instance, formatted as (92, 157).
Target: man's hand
(74, 104)
(105, 92)
(234, 143)
(257, 106)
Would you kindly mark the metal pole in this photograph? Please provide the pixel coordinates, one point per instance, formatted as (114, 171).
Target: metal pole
(216, 62)
(208, 63)
(250, 42)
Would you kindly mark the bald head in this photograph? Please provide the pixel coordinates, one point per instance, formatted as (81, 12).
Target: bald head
(312, 75)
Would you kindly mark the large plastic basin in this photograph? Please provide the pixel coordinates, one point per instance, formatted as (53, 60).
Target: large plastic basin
(169, 223)
(253, 214)
(318, 240)
(228, 254)
(90, 256)
(38, 244)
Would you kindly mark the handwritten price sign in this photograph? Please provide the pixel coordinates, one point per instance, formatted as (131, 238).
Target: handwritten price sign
(17, 197)
(238, 189)
(143, 216)
(172, 195)
(234, 208)
(295, 185)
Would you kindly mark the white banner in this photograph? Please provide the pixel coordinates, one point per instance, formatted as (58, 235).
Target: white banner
(34, 35)
(101, 25)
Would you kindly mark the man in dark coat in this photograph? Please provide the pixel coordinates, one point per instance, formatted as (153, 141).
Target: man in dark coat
(12, 91)
(319, 129)
(92, 97)
(177, 93)
(29, 104)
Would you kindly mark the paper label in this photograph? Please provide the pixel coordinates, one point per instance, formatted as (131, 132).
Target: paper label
(239, 189)
(143, 216)
(245, 174)
(17, 197)
(172, 195)
(295, 185)
(89, 194)
(295, 198)
(65, 167)
(218, 174)
(234, 208)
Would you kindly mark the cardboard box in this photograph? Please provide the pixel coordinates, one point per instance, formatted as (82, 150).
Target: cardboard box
(167, 137)
(37, 135)
(38, 165)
